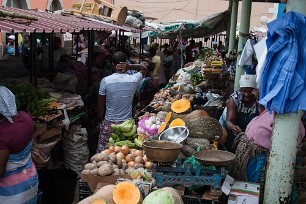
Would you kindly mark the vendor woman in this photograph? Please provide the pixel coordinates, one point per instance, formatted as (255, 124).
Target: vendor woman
(252, 148)
(242, 107)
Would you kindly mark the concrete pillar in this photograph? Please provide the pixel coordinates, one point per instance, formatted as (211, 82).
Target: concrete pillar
(232, 37)
(244, 29)
(281, 162)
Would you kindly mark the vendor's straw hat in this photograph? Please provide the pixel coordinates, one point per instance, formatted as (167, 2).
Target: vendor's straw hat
(248, 80)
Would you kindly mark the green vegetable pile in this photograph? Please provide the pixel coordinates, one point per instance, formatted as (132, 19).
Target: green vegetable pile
(196, 78)
(125, 134)
(29, 98)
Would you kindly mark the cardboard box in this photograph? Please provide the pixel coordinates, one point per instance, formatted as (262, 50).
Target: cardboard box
(40, 130)
(50, 133)
(244, 192)
(93, 181)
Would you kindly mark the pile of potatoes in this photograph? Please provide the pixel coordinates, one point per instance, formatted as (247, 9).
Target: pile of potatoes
(116, 161)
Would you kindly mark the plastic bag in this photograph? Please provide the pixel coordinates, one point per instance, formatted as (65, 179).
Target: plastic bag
(135, 22)
(76, 152)
(194, 163)
(146, 131)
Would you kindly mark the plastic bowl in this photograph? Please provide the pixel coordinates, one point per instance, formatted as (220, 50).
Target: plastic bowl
(171, 134)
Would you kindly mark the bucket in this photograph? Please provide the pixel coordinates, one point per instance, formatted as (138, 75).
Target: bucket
(58, 185)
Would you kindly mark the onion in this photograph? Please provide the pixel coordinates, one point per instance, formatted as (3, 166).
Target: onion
(125, 150)
(111, 148)
(120, 155)
(148, 165)
(107, 152)
(124, 161)
(117, 149)
(129, 158)
(139, 160)
(145, 159)
(137, 153)
(132, 151)
(131, 164)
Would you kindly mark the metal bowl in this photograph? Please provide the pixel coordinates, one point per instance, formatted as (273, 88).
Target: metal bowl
(171, 134)
(161, 151)
(214, 157)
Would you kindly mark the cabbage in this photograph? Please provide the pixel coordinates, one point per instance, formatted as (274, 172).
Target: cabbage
(159, 197)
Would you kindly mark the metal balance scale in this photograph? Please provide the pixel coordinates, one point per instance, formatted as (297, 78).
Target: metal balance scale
(168, 169)
(176, 173)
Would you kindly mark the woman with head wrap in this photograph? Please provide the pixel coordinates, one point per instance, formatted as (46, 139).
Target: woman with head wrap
(18, 175)
(9, 49)
(242, 107)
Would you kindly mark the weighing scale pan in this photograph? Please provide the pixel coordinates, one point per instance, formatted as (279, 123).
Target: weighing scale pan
(214, 157)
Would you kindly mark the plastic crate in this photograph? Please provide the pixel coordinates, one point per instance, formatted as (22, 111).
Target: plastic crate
(84, 190)
(52, 123)
(194, 200)
(77, 110)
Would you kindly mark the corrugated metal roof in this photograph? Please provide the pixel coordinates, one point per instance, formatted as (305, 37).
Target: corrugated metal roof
(48, 22)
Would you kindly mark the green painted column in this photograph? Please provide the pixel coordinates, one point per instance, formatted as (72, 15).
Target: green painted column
(244, 29)
(228, 24)
(281, 162)
(297, 6)
(232, 37)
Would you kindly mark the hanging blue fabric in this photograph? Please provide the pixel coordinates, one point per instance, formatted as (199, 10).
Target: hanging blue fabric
(283, 84)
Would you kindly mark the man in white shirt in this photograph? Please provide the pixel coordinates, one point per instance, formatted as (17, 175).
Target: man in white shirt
(116, 94)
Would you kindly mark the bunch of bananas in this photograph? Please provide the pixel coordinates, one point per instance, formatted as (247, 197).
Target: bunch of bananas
(217, 63)
(123, 132)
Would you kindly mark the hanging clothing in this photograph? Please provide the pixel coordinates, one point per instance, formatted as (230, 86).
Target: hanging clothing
(261, 53)
(247, 53)
(283, 84)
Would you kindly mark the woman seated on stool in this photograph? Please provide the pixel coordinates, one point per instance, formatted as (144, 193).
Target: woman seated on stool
(253, 146)
(242, 107)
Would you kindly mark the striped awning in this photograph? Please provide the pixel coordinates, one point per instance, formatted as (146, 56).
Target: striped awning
(51, 22)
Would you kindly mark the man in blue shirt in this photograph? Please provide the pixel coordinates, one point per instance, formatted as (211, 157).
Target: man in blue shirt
(116, 95)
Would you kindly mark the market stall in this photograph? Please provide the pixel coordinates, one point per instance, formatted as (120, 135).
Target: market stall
(58, 108)
(175, 141)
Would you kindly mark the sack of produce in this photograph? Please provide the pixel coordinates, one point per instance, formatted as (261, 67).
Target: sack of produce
(76, 153)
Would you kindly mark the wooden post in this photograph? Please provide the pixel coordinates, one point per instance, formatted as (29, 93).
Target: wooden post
(33, 56)
(91, 39)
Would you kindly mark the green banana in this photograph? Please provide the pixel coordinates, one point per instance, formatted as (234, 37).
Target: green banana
(114, 127)
(138, 142)
(114, 136)
(128, 127)
(126, 143)
(127, 122)
(111, 140)
(131, 133)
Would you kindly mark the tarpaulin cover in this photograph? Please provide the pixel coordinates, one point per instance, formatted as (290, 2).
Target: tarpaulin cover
(209, 25)
(283, 87)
